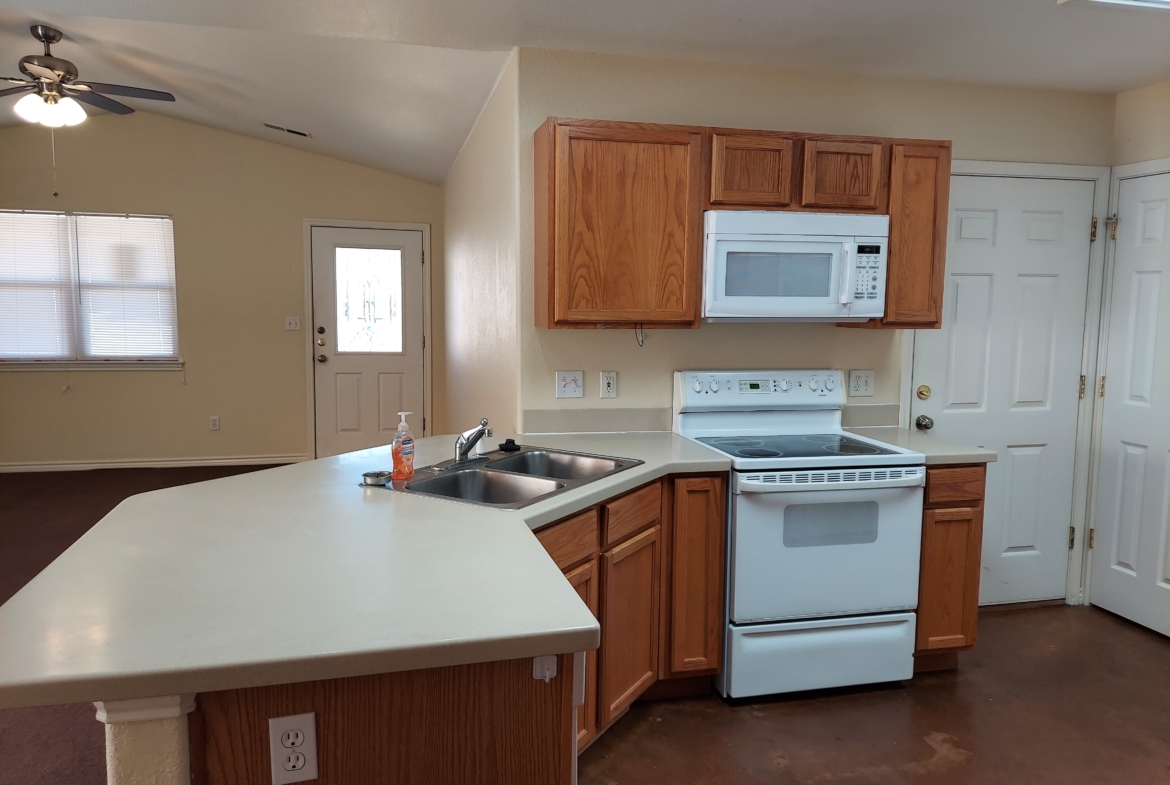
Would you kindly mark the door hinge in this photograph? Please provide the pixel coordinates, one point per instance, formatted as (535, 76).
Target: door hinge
(424, 256)
(1101, 388)
(1092, 538)
(425, 346)
(1072, 537)
(1082, 392)
(424, 425)
(1092, 237)
(1111, 222)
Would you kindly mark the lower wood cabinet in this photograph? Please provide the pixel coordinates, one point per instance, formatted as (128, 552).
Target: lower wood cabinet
(629, 633)
(585, 580)
(697, 576)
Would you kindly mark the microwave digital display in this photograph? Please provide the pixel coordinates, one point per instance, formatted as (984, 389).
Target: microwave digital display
(869, 249)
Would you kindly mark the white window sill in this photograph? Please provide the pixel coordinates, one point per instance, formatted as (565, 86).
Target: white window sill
(91, 365)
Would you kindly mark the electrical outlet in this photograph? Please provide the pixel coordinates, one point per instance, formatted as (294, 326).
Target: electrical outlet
(609, 384)
(860, 384)
(292, 743)
(214, 423)
(292, 322)
(570, 384)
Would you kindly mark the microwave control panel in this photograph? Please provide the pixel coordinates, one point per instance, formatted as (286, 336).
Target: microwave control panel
(756, 390)
(870, 281)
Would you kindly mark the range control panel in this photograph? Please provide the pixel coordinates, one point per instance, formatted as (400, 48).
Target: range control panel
(757, 390)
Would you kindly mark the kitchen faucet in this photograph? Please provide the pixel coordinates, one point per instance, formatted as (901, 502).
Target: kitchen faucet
(468, 439)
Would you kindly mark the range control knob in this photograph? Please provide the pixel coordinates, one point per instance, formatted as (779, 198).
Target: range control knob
(813, 384)
(714, 386)
(829, 383)
(783, 385)
(698, 385)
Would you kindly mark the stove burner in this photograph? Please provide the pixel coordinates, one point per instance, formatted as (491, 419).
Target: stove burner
(737, 442)
(852, 449)
(759, 452)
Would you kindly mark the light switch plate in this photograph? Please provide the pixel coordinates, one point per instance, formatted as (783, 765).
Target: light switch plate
(292, 741)
(570, 384)
(292, 322)
(861, 384)
(609, 384)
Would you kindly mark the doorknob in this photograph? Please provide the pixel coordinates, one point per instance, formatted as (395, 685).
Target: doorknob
(322, 358)
(923, 423)
(320, 331)
(923, 392)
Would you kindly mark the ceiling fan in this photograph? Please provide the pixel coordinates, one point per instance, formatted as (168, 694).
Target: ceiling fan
(52, 86)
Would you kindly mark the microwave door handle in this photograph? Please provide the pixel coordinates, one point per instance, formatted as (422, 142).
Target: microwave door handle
(848, 276)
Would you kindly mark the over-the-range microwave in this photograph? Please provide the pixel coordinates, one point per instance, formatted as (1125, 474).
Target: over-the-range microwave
(779, 266)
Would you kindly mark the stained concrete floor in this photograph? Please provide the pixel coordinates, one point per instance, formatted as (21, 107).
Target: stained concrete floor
(1059, 694)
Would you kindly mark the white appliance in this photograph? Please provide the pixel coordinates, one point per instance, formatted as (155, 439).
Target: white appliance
(824, 532)
(772, 266)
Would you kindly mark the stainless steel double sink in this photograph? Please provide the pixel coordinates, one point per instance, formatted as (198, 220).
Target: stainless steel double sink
(511, 480)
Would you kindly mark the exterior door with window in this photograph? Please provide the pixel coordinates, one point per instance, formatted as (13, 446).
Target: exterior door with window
(367, 335)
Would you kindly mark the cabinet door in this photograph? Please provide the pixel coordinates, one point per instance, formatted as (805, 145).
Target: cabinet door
(697, 575)
(627, 224)
(920, 180)
(629, 630)
(948, 597)
(751, 169)
(584, 580)
(841, 174)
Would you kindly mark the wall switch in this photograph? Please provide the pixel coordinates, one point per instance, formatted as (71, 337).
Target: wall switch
(609, 384)
(292, 322)
(214, 424)
(860, 384)
(292, 742)
(570, 384)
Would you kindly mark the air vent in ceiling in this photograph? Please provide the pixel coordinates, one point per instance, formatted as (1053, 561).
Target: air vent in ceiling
(292, 131)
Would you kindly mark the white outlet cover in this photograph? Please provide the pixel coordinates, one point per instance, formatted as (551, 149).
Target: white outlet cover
(213, 422)
(609, 384)
(292, 322)
(570, 384)
(286, 765)
(861, 384)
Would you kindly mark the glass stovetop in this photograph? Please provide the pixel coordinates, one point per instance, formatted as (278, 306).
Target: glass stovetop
(803, 446)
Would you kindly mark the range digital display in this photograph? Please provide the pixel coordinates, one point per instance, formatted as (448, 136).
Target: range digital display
(749, 386)
(869, 249)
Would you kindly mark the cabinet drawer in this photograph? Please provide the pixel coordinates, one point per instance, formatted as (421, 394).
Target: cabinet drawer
(571, 541)
(631, 513)
(959, 484)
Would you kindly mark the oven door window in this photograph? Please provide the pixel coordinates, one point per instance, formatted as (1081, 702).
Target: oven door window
(821, 525)
(778, 274)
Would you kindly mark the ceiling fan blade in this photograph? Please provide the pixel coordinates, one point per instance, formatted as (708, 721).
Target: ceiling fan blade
(101, 102)
(129, 92)
(14, 80)
(22, 89)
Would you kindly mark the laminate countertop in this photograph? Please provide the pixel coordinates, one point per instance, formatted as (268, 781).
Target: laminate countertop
(298, 573)
(938, 452)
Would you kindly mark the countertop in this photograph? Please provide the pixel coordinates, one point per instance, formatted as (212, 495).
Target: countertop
(297, 573)
(938, 452)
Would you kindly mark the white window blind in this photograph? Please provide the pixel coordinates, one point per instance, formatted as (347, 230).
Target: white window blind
(36, 287)
(79, 288)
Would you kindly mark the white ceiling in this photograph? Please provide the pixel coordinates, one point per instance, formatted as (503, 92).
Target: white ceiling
(355, 73)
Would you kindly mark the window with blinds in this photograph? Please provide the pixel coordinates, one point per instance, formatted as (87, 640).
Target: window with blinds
(86, 288)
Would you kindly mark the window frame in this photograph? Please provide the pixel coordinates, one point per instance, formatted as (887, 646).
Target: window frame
(175, 363)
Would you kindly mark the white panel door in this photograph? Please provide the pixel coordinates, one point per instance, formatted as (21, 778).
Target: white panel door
(1004, 370)
(1131, 560)
(367, 335)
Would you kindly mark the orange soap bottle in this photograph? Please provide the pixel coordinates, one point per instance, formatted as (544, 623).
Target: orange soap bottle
(403, 450)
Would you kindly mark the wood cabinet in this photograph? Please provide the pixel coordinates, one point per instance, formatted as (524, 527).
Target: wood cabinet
(952, 542)
(629, 635)
(619, 224)
(585, 580)
(751, 169)
(841, 174)
(920, 179)
(698, 535)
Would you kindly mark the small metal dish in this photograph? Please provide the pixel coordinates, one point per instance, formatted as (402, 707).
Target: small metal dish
(376, 478)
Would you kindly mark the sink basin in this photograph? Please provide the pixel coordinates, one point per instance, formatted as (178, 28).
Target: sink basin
(558, 465)
(484, 486)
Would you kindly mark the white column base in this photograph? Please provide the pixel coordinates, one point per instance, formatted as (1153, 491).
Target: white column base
(146, 740)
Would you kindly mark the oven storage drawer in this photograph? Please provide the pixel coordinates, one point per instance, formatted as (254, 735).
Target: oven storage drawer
(763, 659)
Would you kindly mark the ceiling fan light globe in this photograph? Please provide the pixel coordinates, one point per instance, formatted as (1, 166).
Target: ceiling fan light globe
(70, 111)
(30, 108)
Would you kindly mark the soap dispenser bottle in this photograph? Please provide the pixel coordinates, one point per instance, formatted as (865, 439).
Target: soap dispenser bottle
(403, 450)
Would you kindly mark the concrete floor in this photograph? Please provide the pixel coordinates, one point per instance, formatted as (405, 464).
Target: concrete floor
(1060, 694)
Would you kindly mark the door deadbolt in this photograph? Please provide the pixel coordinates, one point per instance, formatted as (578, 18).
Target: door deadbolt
(923, 392)
(321, 358)
(320, 341)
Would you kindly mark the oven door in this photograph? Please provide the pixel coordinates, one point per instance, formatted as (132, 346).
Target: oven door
(773, 277)
(845, 542)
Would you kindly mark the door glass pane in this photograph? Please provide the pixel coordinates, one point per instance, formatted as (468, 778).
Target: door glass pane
(842, 523)
(778, 274)
(369, 299)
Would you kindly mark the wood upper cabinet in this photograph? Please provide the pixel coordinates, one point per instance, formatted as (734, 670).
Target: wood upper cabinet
(751, 169)
(618, 224)
(629, 633)
(585, 580)
(920, 179)
(841, 174)
(698, 536)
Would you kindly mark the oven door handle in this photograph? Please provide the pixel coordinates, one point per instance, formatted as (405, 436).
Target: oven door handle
(786, 483)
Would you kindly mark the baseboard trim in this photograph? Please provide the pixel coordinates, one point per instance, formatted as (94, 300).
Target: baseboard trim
(151, 463)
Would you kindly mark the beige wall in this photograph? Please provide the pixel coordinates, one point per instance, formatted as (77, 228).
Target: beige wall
(482, 236)
(1142, 129)
(238, 205)
(988, 123)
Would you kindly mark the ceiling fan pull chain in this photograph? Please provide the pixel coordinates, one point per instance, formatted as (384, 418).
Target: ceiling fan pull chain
(53, 140)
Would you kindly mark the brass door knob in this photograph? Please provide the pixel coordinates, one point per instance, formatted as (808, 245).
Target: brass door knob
(923, 392)
(322, 358)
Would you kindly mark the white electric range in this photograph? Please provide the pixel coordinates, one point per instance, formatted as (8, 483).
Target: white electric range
(824, 532)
